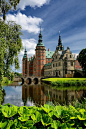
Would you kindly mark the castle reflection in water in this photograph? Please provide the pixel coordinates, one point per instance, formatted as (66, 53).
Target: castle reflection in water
(39, 94)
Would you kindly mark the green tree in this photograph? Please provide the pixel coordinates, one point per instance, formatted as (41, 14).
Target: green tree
(10, 41)
(6, 6)
(82, 60)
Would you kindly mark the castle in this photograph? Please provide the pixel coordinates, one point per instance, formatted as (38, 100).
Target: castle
(60, 63)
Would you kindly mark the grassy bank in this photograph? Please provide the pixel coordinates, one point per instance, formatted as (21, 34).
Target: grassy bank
(64, 79)
(67, 83)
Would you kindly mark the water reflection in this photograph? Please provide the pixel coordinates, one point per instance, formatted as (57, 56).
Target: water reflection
(38, 95)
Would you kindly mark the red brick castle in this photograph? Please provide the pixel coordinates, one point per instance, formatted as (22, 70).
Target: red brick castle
(34, 66)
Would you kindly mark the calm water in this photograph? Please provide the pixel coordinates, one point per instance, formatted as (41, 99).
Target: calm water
(38, 95)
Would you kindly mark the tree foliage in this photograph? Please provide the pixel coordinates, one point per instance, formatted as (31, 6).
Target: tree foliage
(82, 60)
(10, 41)
(11, 44)
(6, 6)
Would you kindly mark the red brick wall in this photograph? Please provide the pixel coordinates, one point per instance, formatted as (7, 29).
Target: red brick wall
(77, 65)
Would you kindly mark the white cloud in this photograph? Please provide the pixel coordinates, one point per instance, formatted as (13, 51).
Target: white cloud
(32, 3)
(30, 46)
(30, 24)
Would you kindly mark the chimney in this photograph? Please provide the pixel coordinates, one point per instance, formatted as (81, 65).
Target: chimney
(48, 49)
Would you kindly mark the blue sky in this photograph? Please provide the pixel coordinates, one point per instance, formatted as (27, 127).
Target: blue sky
(66, 16)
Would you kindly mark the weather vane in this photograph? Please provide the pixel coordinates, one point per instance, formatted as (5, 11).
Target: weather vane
(40, 29)
(59, 32)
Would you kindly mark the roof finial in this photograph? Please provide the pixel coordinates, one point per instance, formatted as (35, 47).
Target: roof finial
(59, 33)
(40, 29)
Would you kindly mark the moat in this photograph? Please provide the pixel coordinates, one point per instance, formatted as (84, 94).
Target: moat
(21, 95)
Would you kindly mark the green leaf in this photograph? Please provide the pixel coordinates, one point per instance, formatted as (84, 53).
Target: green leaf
(84, 123)
(3, 125)
(29, 123)
(51, 114)
(23, 118)
(46, 120)
(64, 126)
(80, 118)
(36, 117)
(47, 108)
(9, 111)
(73, 117)
(55, 124)
(82, 111)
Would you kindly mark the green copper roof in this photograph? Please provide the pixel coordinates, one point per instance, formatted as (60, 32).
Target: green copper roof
(47, 64)
(40, 43)
(25, 53)
(49, 54)
(29, 59)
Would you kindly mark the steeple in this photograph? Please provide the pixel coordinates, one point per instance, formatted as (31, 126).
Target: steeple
(59, 47)
(40, 43)
(25, 53)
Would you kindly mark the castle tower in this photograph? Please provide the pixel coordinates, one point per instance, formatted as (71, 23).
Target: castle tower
(40, 57)
(24, 63)
(59, 47)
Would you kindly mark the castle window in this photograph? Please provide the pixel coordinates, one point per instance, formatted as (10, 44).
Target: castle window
(71, 63)
(53, 65)
(48, 59)
(56, 57)
(42, 58)
(70, 56)
(42, 62)
(42, 54)
(59, 63)
(56, 64)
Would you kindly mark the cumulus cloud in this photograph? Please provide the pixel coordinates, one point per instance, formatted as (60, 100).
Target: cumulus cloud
(32, 3)
(30, 45)
(30, 24)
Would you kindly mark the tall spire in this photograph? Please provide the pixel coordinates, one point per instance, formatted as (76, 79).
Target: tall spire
(40, 43)
(59, 47)
(40, 29)
(25, 53)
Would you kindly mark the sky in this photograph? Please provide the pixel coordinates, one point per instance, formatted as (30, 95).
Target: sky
(66, 16)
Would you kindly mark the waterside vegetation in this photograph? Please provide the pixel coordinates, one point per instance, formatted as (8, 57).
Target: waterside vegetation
(44, 117)
(66, 83)
(49, 116)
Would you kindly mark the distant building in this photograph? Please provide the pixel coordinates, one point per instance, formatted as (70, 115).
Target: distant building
(60, 63)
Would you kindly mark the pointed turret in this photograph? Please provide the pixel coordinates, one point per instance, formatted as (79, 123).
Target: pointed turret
(59, 47)
(40, 43)
(25, 54)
